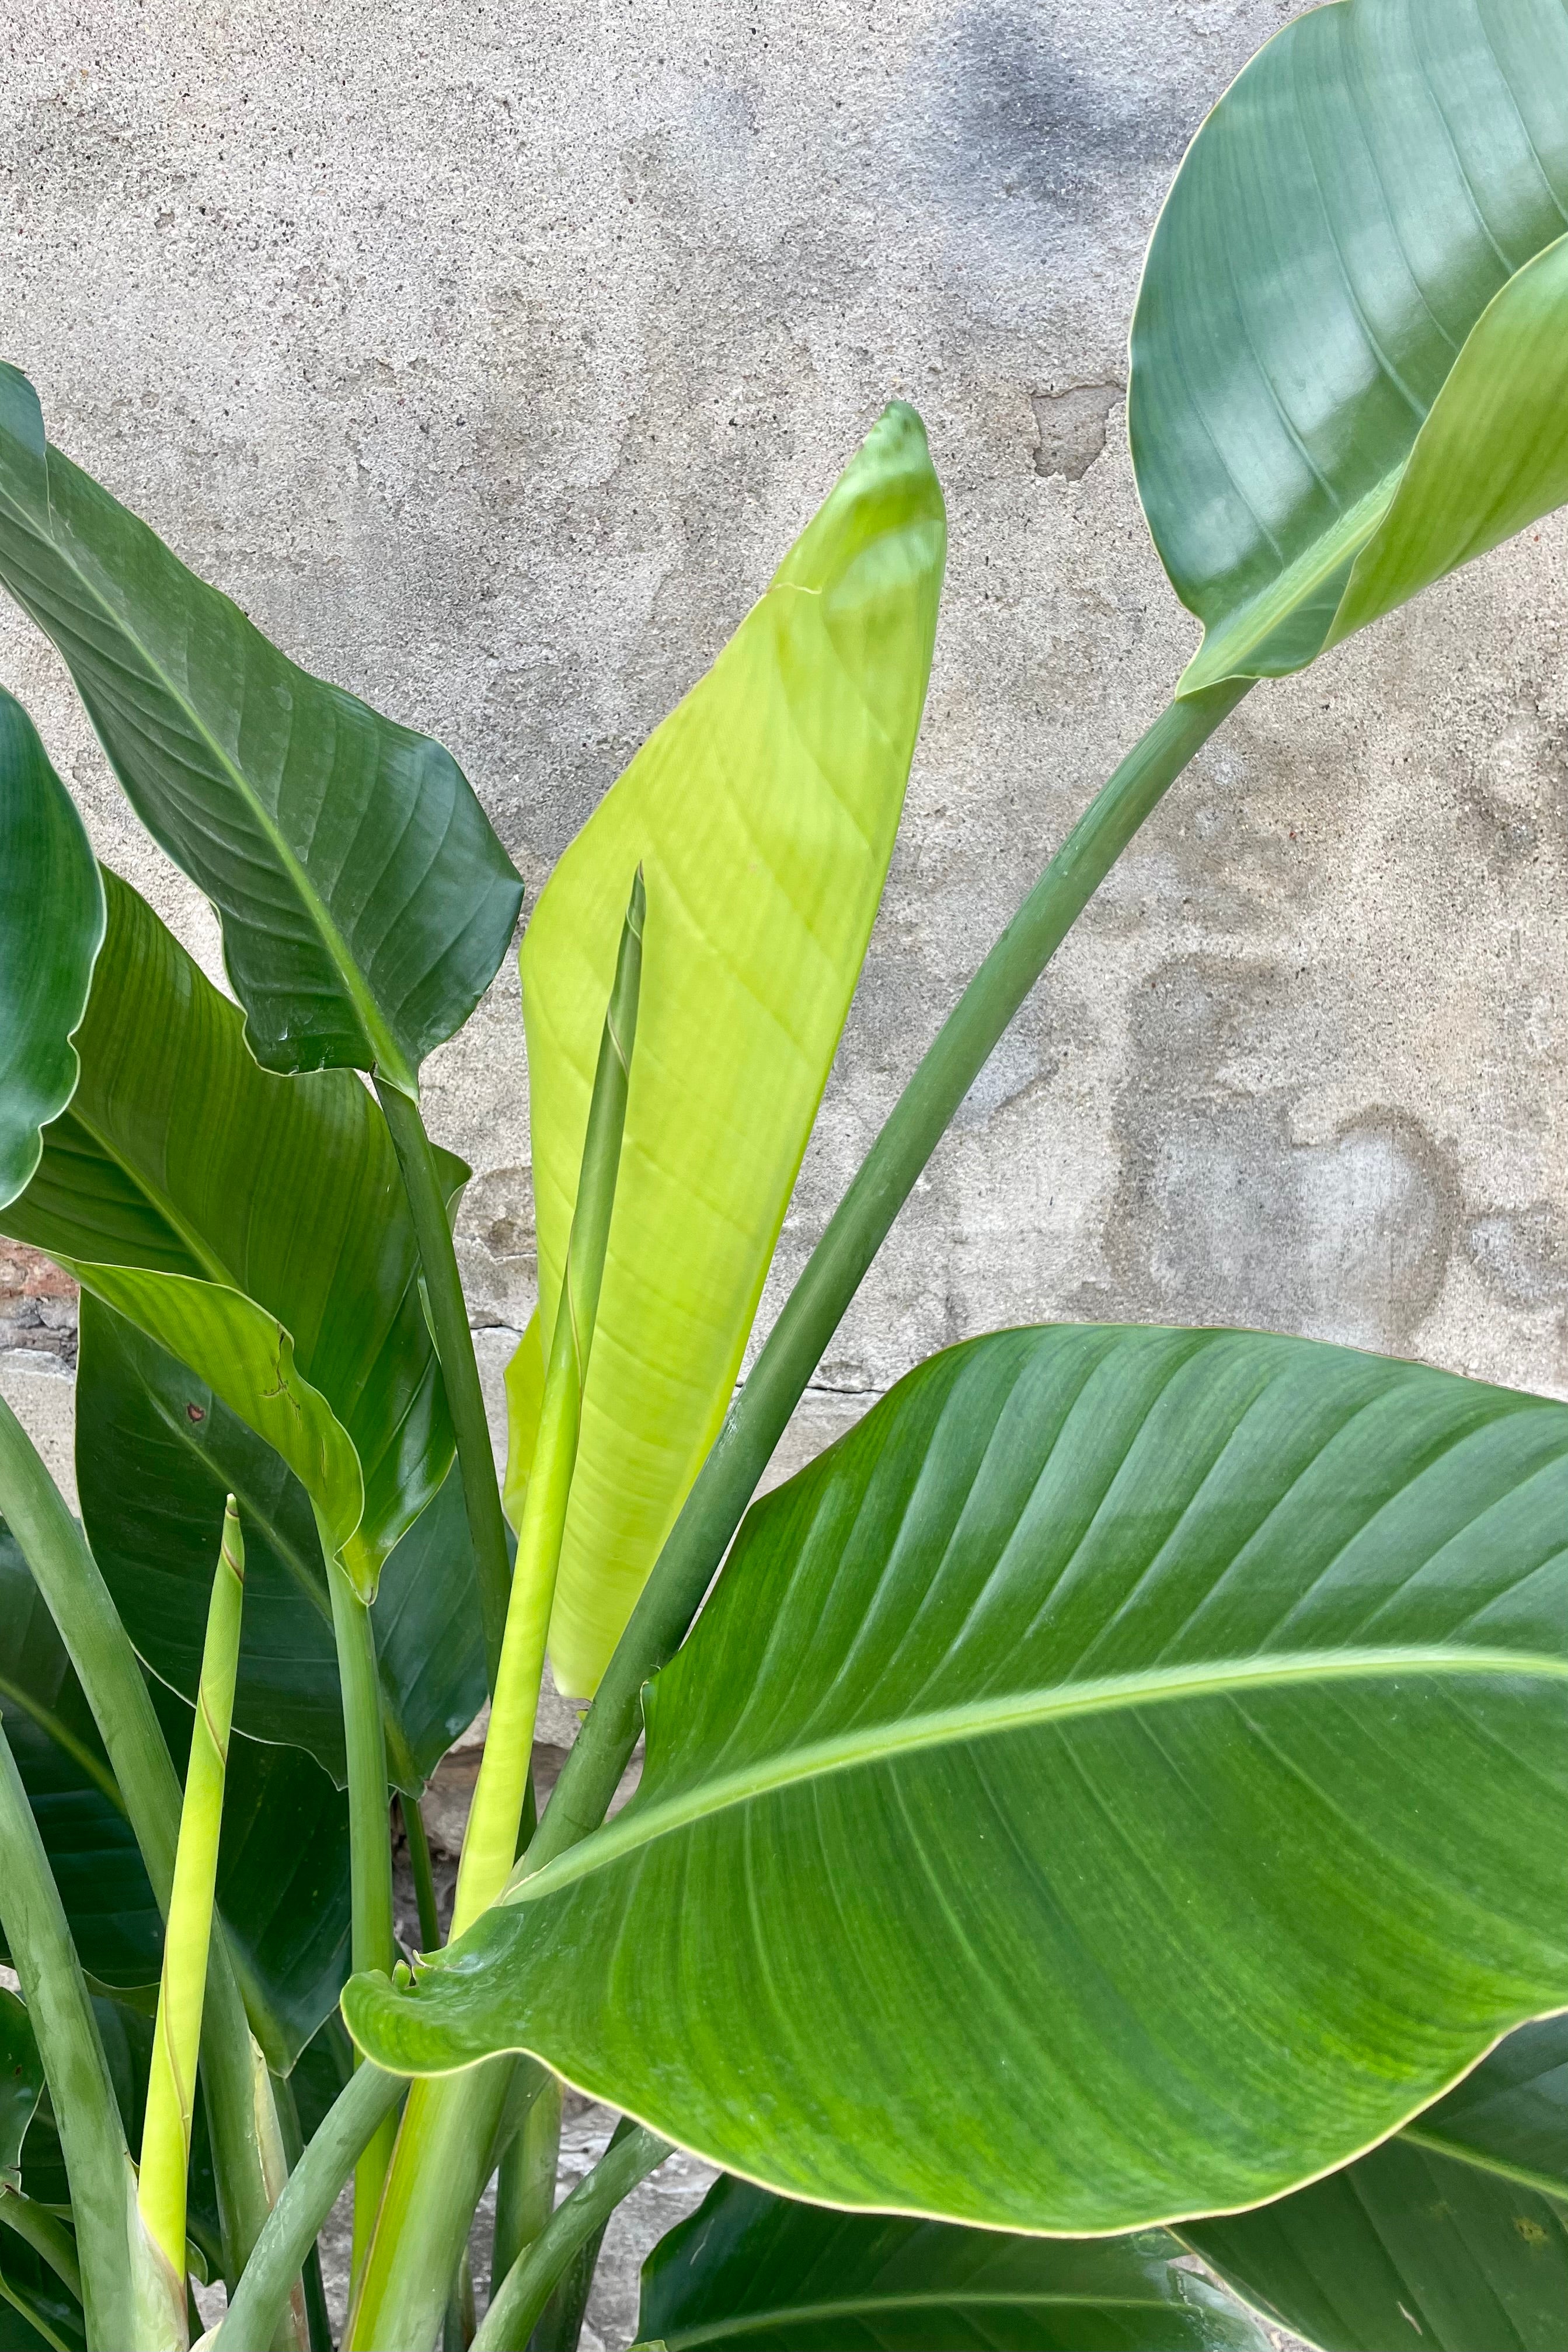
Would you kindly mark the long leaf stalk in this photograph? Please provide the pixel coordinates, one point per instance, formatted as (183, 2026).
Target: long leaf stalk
(260, 2302)
(106, 1665)
(370, 1844)
(171, 2083)
(421, 1871)
(460, 1367)
(490, 1841)
(92, 2141)
(834, 1272)
(631, 2155)
(525, 2184)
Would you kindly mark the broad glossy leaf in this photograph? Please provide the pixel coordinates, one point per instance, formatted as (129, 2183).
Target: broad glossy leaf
(283, 1866)
(255, 1227)
(762, 813)
(365, 902)
(751, 2273)
(21, 2083)
(51, 924)
(27, 2284)
(1055, 1753)
(156, 1453)
(1350, 354)
(1452, 2237)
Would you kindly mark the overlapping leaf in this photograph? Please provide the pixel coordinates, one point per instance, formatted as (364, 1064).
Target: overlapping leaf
(1084, 1765)
(1452, 2237)
(51, 923)
(751, 2273)
(1349, 355)
(156, 1453)
(365, 901)
(255, 1227)
(762, 813)
(283, 1876)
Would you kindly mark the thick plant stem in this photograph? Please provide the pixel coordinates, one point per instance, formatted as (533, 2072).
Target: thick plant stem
(98, 2163)
(310, 2289)
(172, 2081)
(370, 1844)
(525, 2185)
(261, 2300)
(99, 1650)
(756, 1420)
(490, 1841)
(438, 2171)
(459, 1369)
(509, 2321)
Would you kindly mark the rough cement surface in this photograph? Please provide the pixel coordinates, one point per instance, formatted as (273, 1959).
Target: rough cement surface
(491, 356)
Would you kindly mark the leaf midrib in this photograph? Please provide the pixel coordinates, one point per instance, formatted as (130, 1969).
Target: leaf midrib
(982, 1718)
(386, 1056)
(1436, 2143)
(960, 2298)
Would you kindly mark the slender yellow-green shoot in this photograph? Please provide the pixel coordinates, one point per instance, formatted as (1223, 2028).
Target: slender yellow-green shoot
(171, 2088)
(489, 1845)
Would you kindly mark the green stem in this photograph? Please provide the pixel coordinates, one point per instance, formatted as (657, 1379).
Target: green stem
(793, 1348)
(490, 1841)
(261, 2300)
(318, 2321)
(45, 2233)
(370, 1843)
(459, 1370)
(106, 1665)
(92, 2140)
(424, 1876)
(525, 2185)
(528, 2286)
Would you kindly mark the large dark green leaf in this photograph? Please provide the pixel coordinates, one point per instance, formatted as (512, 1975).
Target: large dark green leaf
(751, 2273)
(27, 2286)
(1124, 1778)
(365, 901)
(51, 923)
(256, 1227)
(1350, 356)
(1452, 2237)
(21, 2084)
(283, 1864)
(156, 1453)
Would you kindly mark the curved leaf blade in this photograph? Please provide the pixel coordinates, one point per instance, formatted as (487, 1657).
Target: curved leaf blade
(254, 1226)
(156, 1453)
(1131, 1658)
(21, 2086)
(51, 926)
(763, 812)
(751, 2273)
(1347, 351)
(365, 901)
(1448, 2237)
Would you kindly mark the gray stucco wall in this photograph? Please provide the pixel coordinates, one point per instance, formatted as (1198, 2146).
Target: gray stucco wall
(490, 356)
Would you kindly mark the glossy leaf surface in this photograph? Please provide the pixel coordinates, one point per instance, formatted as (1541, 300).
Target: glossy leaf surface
(762, 813)
(365, 901)
(255, 1227)
(1349, 355)
(752, 2273)
(21, 2084)
(282, 1865)
(1452, 2237)
(156, 1453)
(1124, 1662)
(51, 924)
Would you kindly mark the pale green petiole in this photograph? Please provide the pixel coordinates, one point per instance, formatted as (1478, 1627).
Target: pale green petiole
(171, 2088)
(490, 1844)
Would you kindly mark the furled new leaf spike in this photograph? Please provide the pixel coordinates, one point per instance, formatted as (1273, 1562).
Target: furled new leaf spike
(51, 926)
(365, 901)
(763, 812)
(1349, 355)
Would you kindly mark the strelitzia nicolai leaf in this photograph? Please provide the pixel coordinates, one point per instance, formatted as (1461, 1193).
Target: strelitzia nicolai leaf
(752, 2273)
(762, 813)
(1453, 2236)
(21, 2086)
(1123, 1664)
(156, 1453)
(51, 926)
(365, 901)
(1350, 354)
(255, 1227)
